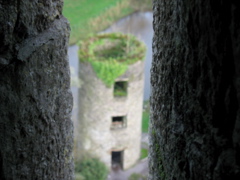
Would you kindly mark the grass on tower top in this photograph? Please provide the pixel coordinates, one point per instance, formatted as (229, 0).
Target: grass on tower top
(110, 54)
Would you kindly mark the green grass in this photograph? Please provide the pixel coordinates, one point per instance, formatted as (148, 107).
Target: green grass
(145, 116)
(145, 121)
(80, 12)
(110, 65)
(136, 176)
(144, 153)
(91, 16)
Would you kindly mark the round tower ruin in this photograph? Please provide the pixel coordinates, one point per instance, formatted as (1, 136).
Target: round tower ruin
(110, 99)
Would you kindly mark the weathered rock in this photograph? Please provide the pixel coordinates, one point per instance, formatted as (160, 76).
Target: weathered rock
(35, 98)
(195, 120)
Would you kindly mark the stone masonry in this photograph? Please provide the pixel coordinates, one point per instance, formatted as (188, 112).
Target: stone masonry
(97, 106)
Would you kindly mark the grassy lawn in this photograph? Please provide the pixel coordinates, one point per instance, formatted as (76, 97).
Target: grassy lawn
(144, 153)
(145, 121)
(145, 116)
(87, 17)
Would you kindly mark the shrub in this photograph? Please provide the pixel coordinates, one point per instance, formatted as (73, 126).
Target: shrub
(79, 176)
(91, 169)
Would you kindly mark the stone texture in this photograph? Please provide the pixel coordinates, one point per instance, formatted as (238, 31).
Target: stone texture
(35, 98)
(97, 106)
(195, 113)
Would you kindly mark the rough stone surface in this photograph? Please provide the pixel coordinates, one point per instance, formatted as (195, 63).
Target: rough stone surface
(195, 113)
(97, 106)
(35, 99)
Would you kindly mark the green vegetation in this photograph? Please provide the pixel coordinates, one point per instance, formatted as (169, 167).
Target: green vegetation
(110, 54)
(158, 154)
(90, 17)
(120, 93)
(144, 153)
(120, 88)
(145, 116)
(145, 121)
(89, 169)
(78, 176)
(136, 176)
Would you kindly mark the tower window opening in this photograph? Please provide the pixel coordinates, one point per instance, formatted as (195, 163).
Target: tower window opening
(118, 122)
(120, 88)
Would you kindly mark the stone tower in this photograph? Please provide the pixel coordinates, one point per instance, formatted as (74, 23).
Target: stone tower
(110, 105)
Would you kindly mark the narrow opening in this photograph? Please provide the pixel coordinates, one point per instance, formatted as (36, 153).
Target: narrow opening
(117, 160)
(118, 122)
(120, 88)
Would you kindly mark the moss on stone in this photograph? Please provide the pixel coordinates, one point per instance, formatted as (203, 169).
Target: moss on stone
(158, 156)
(110, 54)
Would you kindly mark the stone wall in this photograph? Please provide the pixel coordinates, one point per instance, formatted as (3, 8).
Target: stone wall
(97, 106)
(195, 113)
(35, 99)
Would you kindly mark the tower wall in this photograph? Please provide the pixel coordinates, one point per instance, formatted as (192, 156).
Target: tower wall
(97, 106)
